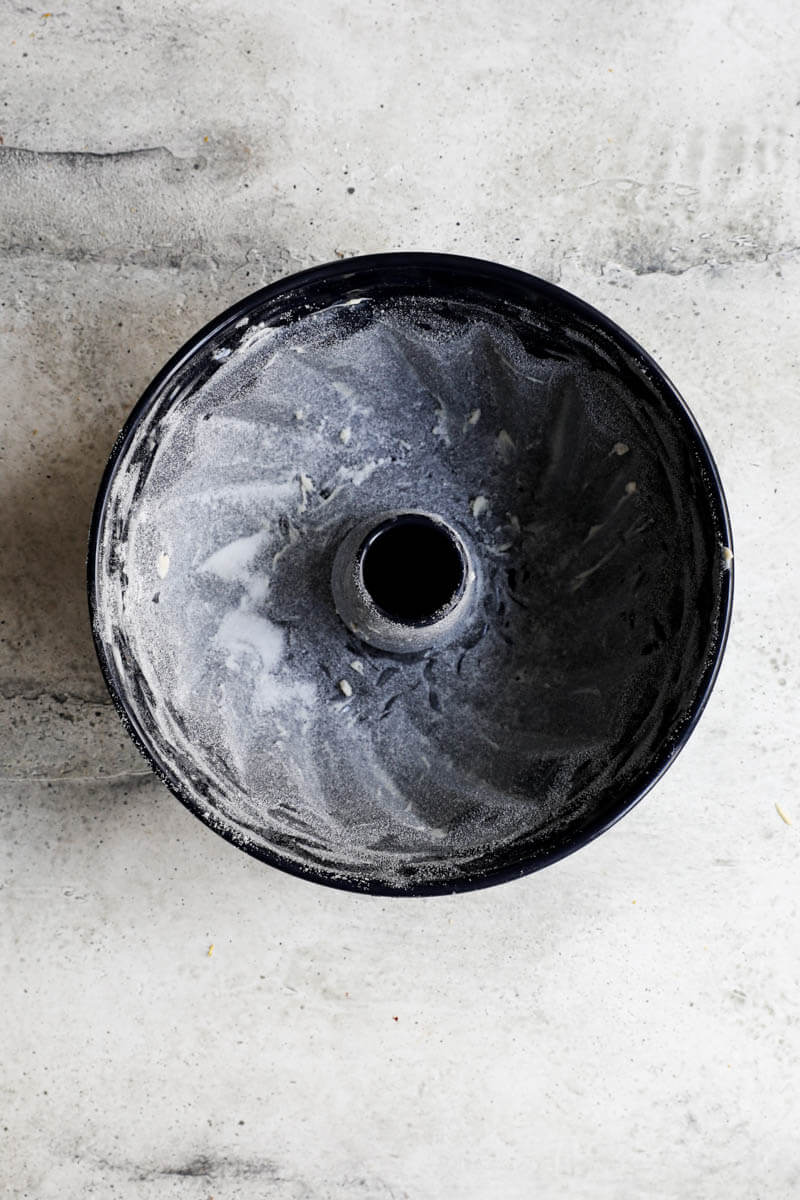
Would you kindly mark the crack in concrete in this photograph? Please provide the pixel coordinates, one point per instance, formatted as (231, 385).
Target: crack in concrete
(31, 693)
(114, 778)
(23, 154)
(712, 263)
(605, 270)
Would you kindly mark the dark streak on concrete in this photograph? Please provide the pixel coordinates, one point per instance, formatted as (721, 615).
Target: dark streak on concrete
(206, 1167)
(198, 1167)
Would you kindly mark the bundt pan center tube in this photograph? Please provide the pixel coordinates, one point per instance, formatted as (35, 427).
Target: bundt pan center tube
(410, 574)
(405, 583)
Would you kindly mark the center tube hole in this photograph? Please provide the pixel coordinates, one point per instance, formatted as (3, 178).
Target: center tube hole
(413, 568)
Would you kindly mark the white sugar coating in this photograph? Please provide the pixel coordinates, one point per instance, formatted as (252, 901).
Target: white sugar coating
(245, 635)
(234, 561)
(505, 446)
(214, 589)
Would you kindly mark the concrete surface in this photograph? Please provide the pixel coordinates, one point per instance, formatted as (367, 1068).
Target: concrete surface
(624, 1024)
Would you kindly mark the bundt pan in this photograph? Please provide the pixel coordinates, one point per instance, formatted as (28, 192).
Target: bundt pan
(410, 574)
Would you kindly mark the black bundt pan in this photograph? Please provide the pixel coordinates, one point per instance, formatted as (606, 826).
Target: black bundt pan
(569, 323)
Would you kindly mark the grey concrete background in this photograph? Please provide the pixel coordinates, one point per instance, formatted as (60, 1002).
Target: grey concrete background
(622, 1025)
